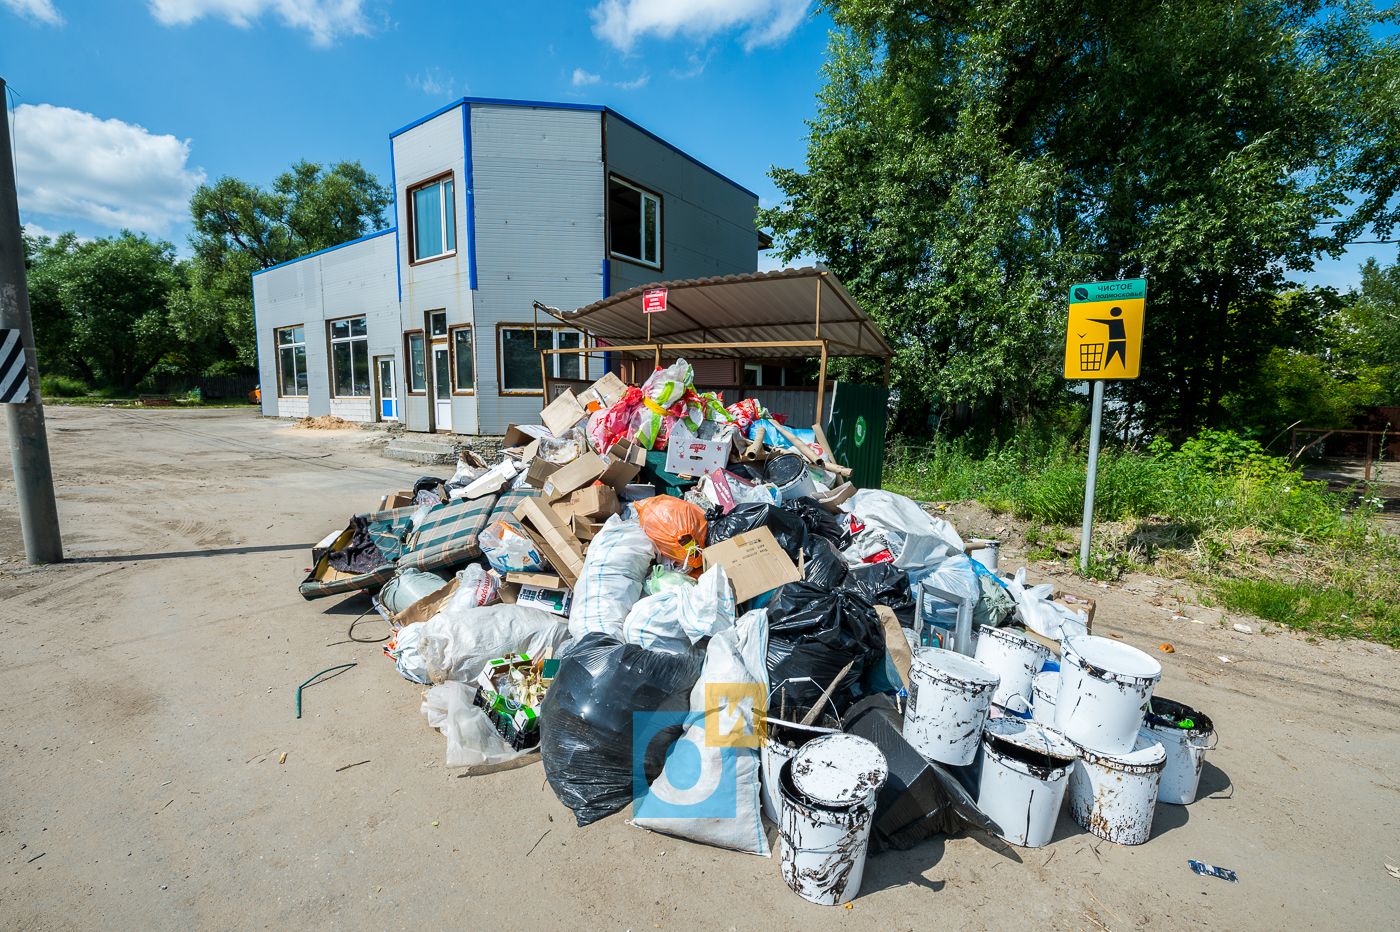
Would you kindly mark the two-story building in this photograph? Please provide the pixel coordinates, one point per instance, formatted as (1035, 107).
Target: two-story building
(498, 204)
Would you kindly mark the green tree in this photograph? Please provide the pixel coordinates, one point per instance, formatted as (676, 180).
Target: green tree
(240, 228)
(1372, 327)
(971, 161)
(100, 307)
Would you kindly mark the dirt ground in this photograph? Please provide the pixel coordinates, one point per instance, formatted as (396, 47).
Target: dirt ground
(149, 696)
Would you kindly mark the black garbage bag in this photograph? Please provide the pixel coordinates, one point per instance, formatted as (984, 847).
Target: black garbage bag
(886, 584)
(819, 521)
(745, 471)
(586, 720)
(786, 526)
(815, 632)
(824, 564)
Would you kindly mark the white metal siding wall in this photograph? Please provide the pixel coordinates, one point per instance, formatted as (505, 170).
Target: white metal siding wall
(426, 151)
(539, 230)
(707, 223)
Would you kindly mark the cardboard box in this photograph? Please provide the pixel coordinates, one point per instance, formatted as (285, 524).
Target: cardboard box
(554, 601)
(832, 500)
(754, 562)
(562, 413)
(553, 537)
(695, 457)
(627, 460)
(593, 501)
(585, 529)
(583, 471)
(539, 472)
(603, 393)
(428, 606)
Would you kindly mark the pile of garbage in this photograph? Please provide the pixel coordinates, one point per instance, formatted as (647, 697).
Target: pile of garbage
(689, 608)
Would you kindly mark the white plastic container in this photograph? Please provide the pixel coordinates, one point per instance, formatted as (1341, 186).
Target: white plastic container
(988, 554)
(1185, 746)
(1012, 656)
(776, 751)
(1104, 689)
(829, 789)
(950, 697)
(1045, 687)
(1115, 795)
(1025, 769)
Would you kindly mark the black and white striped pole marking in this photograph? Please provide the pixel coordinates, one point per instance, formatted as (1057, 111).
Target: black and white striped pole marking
(14, 370)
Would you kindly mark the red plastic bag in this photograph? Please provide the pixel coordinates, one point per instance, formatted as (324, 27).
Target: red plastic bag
(677, 528)
(617, 423)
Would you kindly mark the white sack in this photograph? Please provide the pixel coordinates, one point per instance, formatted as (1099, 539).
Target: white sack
(471, 738)
(673, 620)
(898, 524)
(458, 641)
(612, 577)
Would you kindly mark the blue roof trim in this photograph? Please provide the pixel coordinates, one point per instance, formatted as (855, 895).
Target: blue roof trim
(555, 105)
(470, 197)
(326, 250)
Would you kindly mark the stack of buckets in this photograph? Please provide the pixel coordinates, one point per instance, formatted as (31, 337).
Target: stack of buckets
(1088, 735)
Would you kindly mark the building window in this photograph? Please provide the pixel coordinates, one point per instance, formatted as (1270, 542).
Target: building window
(417, 379)
(463, 372)
(433, 220)
(291, 362)
(759, 375)
(634, 223)
(350, 376)
(520, 359)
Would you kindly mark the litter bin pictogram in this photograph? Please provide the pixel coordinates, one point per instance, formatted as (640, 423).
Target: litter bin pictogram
(1091, 356)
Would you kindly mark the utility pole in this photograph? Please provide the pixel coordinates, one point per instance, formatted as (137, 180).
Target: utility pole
(1091, 479)
(24, 416)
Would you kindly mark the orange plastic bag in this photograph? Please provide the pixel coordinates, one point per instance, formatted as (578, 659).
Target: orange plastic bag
(676, 527)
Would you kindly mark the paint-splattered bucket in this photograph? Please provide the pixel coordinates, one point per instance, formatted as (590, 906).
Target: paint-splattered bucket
(829, 789)
(1115, 795)
(1012, 656)
(1186, 734)
(988, 554)
(949, 698)
(784, 739)
(1045, 686)
(1104, 689)
(1025, 769)
(788, 472)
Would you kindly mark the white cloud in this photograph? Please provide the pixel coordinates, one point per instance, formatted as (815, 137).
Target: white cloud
(324, 19)
(633, 85)
(72, 164)
(766, 22)
(582, 78)
(434, 83)
(41, 11)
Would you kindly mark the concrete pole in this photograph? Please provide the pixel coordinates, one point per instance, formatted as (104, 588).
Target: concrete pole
(29, 444)
(1090, 480)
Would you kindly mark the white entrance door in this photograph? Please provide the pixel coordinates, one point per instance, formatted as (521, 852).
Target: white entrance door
(442, 386)
(388, 395)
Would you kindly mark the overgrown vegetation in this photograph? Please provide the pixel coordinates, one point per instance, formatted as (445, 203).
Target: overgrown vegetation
(1219, 509)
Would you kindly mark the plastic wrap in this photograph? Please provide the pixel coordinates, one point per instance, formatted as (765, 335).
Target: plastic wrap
(815, 632)
(669, 385)
(458, 641)
(565, 448)
(897, 524)
(586, 721)
(611, 581)
(678, 618)
(508, 549)
(787, 526)
(471, 738)
(677, 528)
(662, 580)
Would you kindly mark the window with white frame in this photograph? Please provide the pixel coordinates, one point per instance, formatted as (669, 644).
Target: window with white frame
(291, 362)
(634, 223)
(520, 357)
(433, 219)
(416, 375)
(463, 380)
(350, 375)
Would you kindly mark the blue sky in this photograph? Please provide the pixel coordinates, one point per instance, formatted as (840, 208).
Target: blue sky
(125, 105)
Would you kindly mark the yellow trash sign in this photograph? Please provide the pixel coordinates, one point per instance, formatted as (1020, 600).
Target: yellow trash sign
(1104, 338)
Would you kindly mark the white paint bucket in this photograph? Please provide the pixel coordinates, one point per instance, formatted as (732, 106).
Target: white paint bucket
(1115, 795)
(1045, 687)
(1185, 744)
(789, 473)
(950, 697)
(988, 554)
(1014, 657)
(1025, 769)
(829, 789)
(784, 739)
(1104, 689)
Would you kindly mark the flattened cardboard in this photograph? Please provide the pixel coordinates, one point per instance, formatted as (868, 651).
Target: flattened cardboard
(581, 472)
(553, 537)
(627, 460)
(754, 562)
(695, 457)
(428, 606)
(539, 472)
(603, 393)
(832, 500)
(562, 413)
(543, 580)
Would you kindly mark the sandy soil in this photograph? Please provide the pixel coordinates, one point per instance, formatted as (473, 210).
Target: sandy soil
(150, 688)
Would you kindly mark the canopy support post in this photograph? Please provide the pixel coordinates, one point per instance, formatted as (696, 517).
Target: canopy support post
(821, 389)
(818, 334)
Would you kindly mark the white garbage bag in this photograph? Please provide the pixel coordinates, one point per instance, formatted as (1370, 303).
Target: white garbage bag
(612, 577)
(673, 620)
(403, 650)
(895, 523)
(471, 738)
(459, 640)
(1041, 615)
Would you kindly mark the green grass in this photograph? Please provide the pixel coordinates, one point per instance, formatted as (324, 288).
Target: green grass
(1331, 612)
(60, 386)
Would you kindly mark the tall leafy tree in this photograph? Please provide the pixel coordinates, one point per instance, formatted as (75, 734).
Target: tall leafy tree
(970, 161)
(240, 228)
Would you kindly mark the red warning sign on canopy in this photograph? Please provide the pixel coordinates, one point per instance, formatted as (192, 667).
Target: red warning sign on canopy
(654, 300)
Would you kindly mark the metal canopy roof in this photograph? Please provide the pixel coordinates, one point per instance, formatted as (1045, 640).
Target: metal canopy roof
(792, 308)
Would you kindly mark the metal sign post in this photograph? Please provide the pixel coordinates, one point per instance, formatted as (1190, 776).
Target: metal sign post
(1102, 341)
(24, 411)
